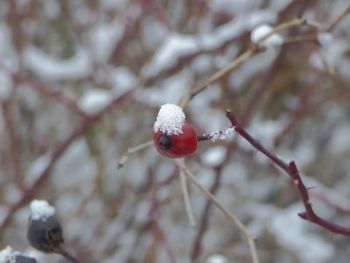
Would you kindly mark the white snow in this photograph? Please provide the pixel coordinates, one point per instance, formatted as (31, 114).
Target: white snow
(253, 67)
(265, 130)
(214, 156)
(177, 45)
(169, 91)
(262, 31)
(40, 209)
(95, 100)
(114, 4)
(333, 53)
(290, 231)
(170, 119)
(234, 7)
(217, 258)
(52, 68)
(223, 134)
(7, 255)
(122, 80)
(104, 37)
(340, 143)
(8, 55)
(325, 38)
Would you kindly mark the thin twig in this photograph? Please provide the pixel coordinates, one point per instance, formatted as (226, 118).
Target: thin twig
(227, 213)
(218, 75)
(185, 193)
(254, 49)
(131, 151)
(338, 18)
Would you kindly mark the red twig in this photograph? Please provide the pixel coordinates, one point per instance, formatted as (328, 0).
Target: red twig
(291, 169)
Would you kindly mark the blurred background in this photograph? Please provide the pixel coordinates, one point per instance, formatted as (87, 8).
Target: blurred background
(82, 81)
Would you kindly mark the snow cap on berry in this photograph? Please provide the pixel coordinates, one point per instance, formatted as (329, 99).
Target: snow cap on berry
(41, 210)
(170, 119)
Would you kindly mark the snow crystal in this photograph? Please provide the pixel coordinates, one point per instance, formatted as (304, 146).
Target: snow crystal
(261, 31)
(216, 258)
(95, 100)
(222, 135)
(214, 156)
(53, 68)
(7, 255)
(170, 119)
(40, 209)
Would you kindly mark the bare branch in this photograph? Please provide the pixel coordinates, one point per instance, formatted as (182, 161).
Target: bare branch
(227, 213)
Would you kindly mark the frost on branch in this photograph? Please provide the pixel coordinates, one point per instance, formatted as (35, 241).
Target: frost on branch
(222, 135)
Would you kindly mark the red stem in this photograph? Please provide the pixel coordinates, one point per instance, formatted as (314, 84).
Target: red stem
(291, 169)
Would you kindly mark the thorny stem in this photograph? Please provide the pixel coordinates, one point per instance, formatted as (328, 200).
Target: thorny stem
(254, 49)
(131, 151)
(291, 169)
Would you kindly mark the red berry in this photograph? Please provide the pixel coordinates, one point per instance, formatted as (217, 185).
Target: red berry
(176, 146)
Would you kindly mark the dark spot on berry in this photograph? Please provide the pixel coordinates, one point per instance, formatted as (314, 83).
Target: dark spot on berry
(165, 142)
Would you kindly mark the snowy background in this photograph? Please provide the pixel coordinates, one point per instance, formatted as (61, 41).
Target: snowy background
(82, 81)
